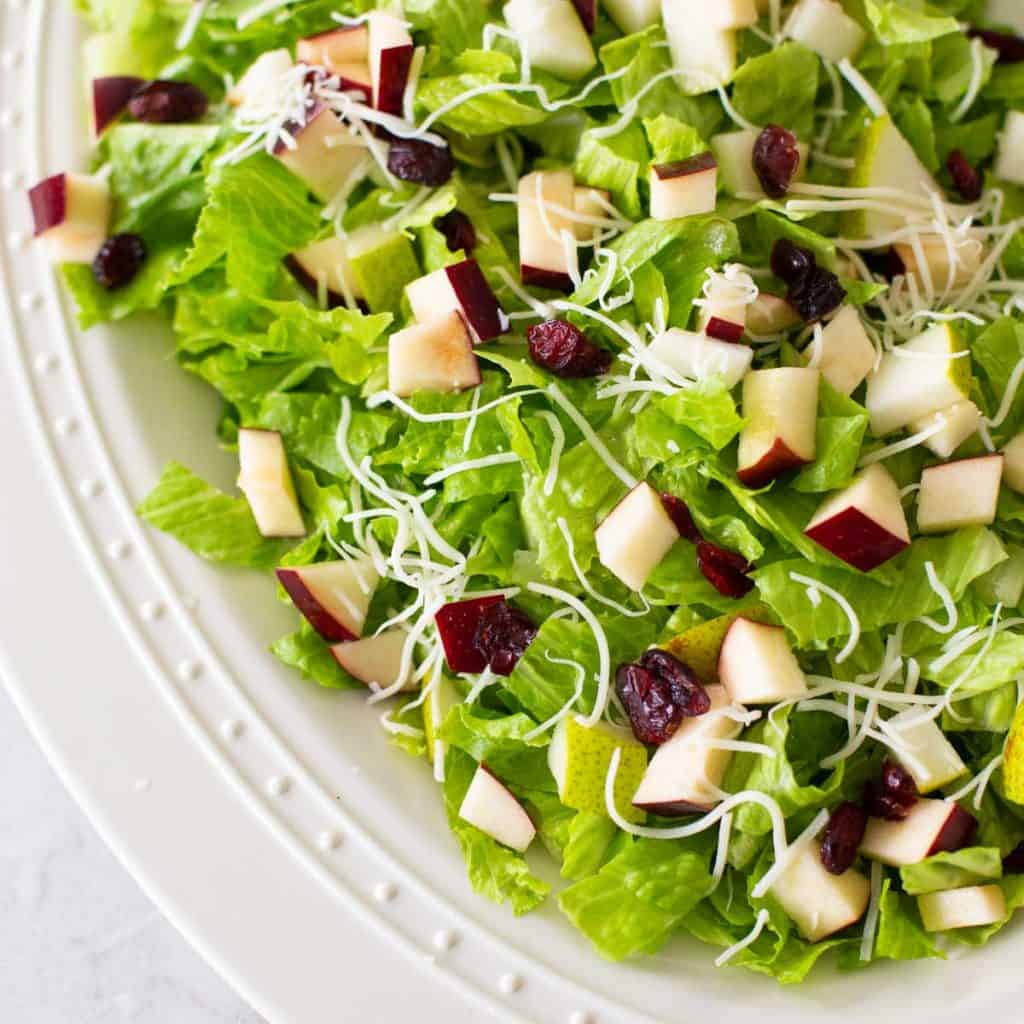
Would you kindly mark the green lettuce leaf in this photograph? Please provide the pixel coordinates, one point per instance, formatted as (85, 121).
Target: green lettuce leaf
(971, 866)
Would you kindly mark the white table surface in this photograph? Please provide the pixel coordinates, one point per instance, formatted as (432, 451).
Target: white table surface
(79, 941)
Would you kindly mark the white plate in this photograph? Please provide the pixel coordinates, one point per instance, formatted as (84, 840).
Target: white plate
(307, 859)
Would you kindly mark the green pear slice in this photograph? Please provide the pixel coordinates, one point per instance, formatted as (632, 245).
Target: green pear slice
(699, 646)
(579, 757)
(1013, 759)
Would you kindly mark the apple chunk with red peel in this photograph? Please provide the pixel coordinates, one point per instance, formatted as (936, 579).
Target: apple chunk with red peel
(375, 660)
(864, 523)
(348, 44)
(546, 259)
(261, 82)
(684, 775)
(355, 78)
(323, 269)
(457, 625)
(110, 96)
(958, 494)
(316, 158)
(970, 907)
(390, 55)
(930, 827)
(700, 357)
(72, 212)
(781, 410)
(635, 536)
(459, 287)
(723, 313)
(844, 353)
(587, 10)
(819, 902)
(490, 807)
(435, 356)
(684, 188)
(333, 596)
(756, 665)
(266, 481)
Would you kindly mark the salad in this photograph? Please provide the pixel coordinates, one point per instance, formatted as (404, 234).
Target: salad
(627, 398)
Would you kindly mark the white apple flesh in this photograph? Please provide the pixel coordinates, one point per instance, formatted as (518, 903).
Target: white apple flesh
(348, 44)
(970, 907)
(589, 202)
(390, 56)
(781, 410)
(1013, 464)
(863, 524)
(435, 356)
(953, 425)
(723, 314)
(552, 35)
(699, 357)
(684, 188)
(958, 494)
(703, 54)
(1005, 14)
(930, 827)
(548, 256)
(333, 596)
(1009, 165)
(72, 213)
(844, 353)
(490, 807)
(924, 751)
(769, 314)
(459, 287)
(631, 16)
(323, 269)
(734, 152)
(317, 158)
(262, 80)
(756, 665)
(635, 536)
(266, 481)
(375, 660)
(824, 27)
(934, 267)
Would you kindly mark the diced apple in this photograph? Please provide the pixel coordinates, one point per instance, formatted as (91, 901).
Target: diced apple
(110, 96)
(457, 624)
(1009, 165)
(435, 356)
(724, 312)
(552, 35)
(323, 269)
(700, 357)
(684, 188)
(734, 152)
(769, 314)
(374, 246)
(459, 287)
(490, 807)
(864, 523)
(333, 596)
(937, 262)
(958, 494)
(930, 827)
(347, 44)
(390, 57)
(703, 53)
(72, 212)
(375, 660)
(824, 27)
(756, 664)
(355, 78)
(545, 258)
(325, 155)
(635, 536)
(731, 14)
(686, 770)
(632, 16)
(844, 354)
(930, 758)
(1013, 464)
(266, 481)
(262, 80)
(920, 377)
(587, 10)
(969, 907)
(819, 902)
(781, 410)
(590, 202)
(958, 423)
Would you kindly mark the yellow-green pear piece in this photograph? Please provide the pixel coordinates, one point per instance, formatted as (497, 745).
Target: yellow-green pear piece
(698, 647)
(1013, 759)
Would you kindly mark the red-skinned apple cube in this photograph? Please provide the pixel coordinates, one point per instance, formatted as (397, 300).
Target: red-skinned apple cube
(723, 314)
(72, 212)
(490, 806)
(355, 78)
(318, 157)
(457, 624)
(333, 596)
(266, 481)
(756, 665)
(970, 907)
(863, 524)
(348, 44)
(546, 258)
(391, 53)
(459, 287)
(587, 10)
(635, 536)
(699, 357)
(435, 356)
(684, 188)
(958, 494)
(781, 409)
(844, 354)
(930, 827)
(262, 80)
(110, 96)
(375, 660)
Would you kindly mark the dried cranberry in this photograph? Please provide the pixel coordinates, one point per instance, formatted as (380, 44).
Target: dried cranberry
(725, 570)
(887, 264)
(163, 102)
(817, 295)
(458, 231)
(420, 162)
(843, 835)
(118, 260)
(565, 350)
(776, 160)
(790, 263)
(893, 795)
(679, 512)
(1013, 862)
(658, 693)
(502, 634)
(1010, 48)
(966, 177)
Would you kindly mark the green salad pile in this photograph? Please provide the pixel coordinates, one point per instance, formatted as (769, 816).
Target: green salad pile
(632, 416)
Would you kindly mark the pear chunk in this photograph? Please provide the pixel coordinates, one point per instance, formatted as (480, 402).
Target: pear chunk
(824, 27)
(1013, 464)
(970, 907)
(699, 357)
(553, 36)
(958, 422)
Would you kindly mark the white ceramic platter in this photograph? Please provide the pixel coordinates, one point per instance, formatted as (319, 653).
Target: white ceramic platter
(271, 821)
